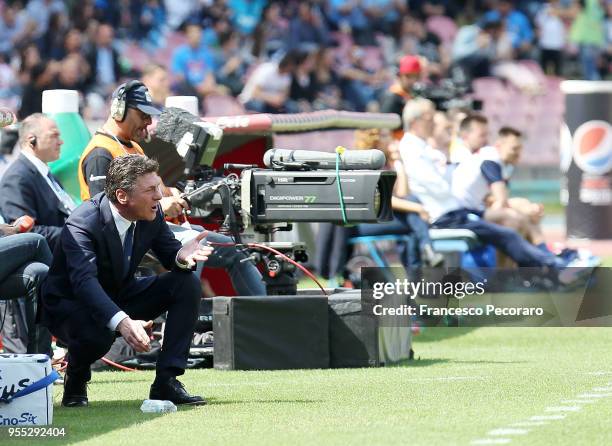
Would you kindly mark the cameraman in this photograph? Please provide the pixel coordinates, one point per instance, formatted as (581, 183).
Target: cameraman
(400, 91)
(118, 136)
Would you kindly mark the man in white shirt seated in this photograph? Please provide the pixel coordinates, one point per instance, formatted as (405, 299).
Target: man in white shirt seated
(426, 178)
(481, 182)
(473, 134)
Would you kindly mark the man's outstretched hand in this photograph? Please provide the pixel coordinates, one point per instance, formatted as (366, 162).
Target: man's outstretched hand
(193, 251)
(135, 333)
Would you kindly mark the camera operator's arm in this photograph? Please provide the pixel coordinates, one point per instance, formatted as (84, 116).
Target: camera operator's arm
(95, 167)
(173, 206)
(171, 203)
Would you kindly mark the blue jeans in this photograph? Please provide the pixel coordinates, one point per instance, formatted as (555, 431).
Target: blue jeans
(24, 262)
(506, 240)
(245, 276)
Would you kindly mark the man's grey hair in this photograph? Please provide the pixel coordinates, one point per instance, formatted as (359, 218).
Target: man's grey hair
(124, 171)
(30, 126)
(414, 109)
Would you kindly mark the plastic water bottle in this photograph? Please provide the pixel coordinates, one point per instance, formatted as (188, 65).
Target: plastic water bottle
(157, 406)
(63, 107)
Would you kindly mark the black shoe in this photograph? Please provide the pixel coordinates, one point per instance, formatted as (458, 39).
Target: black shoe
(173, 390)
(75, 392)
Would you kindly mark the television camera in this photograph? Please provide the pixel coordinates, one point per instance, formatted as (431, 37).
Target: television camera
(298, 186)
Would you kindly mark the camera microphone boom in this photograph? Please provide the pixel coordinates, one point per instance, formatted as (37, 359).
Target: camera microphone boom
(313, 159)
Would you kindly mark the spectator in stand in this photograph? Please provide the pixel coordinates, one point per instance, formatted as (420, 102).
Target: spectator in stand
(40, 12)
(9, 86)
(211, 34)
(307, 28)
(193, 65)
(72, 75)
(41, 78)
(151, 22)
(303, 85)
(72, 44)
(246, 14)
(178, 13)
(348, 16)
(327, 81)
(384, 15)
(267, 89)
(15, 27)
(271, 33)
(232, 66)
(517, 26)
(415, 39)
(104, 61)
(155, 77)
(478, 47)
(360, 86)
(83, 14)
(552, 36)
(53, 40)
(587, 32)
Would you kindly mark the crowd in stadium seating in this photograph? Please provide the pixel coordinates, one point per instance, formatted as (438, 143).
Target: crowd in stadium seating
(337, 53)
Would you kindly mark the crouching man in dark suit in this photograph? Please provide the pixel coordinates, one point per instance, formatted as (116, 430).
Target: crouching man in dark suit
(91, 292)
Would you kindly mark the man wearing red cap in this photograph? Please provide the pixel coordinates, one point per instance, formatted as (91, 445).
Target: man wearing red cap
(401, 91)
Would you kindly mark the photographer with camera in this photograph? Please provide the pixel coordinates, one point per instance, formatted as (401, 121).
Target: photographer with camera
(131, 112)
(400, 92)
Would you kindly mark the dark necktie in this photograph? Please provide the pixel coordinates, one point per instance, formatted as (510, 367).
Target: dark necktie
(128, 244)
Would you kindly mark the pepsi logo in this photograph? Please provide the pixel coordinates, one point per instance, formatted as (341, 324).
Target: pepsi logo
(592, 147)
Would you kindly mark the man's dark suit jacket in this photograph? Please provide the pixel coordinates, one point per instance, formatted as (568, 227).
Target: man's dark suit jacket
(87, 269)
(24, 191)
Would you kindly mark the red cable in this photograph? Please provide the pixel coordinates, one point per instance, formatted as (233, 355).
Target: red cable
(119, 366)
(293, 262)
(107, 361)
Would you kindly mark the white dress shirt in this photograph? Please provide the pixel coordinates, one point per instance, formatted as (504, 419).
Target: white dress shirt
(60, 193)
(123, 224)
(426, 171)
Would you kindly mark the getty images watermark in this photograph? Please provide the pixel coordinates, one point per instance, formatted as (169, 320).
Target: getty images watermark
(528, 297)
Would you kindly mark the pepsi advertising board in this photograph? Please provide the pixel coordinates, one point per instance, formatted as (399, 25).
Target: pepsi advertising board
(586, 159)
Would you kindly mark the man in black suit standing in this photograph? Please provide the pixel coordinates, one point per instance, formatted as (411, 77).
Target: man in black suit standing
(91, 292)
(29, 188)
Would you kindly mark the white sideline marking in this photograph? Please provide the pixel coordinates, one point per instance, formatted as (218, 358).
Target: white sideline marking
(594, 395)
(578, 401)
(508, 431)
(599, 373)
(563, 409)
(530, 423)
(492, 441)
(547, 417)
(602, 389)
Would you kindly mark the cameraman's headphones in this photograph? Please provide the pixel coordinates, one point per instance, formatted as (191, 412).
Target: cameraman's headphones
(119, 104)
